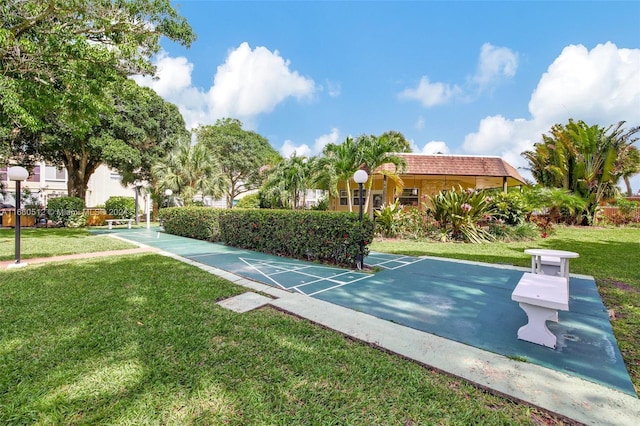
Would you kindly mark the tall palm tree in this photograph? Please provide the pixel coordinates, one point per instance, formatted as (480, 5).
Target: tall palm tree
(342, 160)
(288, 180)
(377, 151)
(190, 170)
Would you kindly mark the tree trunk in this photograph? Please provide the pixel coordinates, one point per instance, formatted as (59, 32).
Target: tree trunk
(627, 183)
(79, 171)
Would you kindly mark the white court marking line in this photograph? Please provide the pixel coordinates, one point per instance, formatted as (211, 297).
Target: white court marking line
(342, 284)
(403, 263)
(339, 285)
(296, 268)
(265, 275)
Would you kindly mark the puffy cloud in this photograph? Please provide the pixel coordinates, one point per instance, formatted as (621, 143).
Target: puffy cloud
(323, 140)
(600, 86)
(434, 147)
(253, 82)
(494, 63)
(249, 83)
(288, 149)
(430, 94)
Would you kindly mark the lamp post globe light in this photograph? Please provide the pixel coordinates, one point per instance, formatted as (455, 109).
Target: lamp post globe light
(168, 193)
(17, 174)
(360, 176)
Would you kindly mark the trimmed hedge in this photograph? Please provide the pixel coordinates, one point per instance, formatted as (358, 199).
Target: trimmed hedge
(66, 211)
(194, 222)
(121, 207)
(327, 237)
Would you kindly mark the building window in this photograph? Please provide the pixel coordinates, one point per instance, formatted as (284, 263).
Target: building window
(343, 197)
(409, 197)
(53, 173)
(356, 196)
(115, 176)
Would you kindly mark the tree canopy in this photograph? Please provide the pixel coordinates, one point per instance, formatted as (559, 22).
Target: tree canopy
(59, 54)
(135, 129)
(243, 155)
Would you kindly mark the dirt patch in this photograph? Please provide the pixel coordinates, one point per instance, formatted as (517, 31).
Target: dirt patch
(622, 286)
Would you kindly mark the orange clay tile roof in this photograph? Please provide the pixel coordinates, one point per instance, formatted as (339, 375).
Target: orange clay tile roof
(456, 165)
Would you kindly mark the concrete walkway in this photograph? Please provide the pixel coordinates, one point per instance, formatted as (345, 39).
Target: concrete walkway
(567, 396)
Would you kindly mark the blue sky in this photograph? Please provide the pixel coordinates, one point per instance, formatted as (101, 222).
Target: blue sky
(474, 77)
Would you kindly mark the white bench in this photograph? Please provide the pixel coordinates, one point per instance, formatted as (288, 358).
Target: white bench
(110, 222)
(540, 297)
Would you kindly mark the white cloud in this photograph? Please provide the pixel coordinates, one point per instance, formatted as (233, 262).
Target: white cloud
(253, 82)
(323, 140)
(334, 89)
(430, 94)
(288, 149)
(248, 84)
(600, 86)
(434, 147)
(494, 63)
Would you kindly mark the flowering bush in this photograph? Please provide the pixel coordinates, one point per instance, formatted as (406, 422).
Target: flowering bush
(459, 212)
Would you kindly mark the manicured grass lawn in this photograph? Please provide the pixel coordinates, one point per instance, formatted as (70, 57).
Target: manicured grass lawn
(139, 340)
(610, 255)
(47, 242)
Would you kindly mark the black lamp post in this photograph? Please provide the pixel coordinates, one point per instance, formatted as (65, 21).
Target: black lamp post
(360, 176)
(17, 174)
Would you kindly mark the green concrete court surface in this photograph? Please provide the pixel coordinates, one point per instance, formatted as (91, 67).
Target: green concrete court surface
(462, 301)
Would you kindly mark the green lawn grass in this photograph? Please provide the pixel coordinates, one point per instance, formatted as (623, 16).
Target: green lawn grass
(47, 242)
(139, 339)
(610, 255)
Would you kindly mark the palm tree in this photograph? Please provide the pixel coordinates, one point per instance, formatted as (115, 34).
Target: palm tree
(190, 170)
(377, 151)
(587, 160)
(342, 162)
(288, 180)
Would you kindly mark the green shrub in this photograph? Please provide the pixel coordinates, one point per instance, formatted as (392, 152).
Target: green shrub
(459, 212)
(251, 201)
(194, 222)
(121, 207)
(328, 237)
(511, 207)
(66, 211)
(388, 219)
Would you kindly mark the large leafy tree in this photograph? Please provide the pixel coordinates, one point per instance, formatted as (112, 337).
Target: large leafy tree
(243, 155)
(189, 170)
(587, 160)
(58, 57)
(135, 130)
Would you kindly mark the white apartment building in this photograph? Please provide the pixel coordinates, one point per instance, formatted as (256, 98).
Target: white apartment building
(46, 182)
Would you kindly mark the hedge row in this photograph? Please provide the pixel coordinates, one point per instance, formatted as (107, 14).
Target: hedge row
(194, 222)
(328, 237)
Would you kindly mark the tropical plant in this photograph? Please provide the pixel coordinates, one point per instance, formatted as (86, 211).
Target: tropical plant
(190, 170)
(459, 212)
(586, 160)
(380, 150)
(288, 181)
(342, 162)
(387, 219)
(560, 205)
(512, 207)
